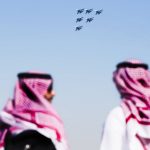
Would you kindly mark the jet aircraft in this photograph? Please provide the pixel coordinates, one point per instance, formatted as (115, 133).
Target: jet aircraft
(79, 11)
(98, 12)
(88, 11)
(79, 28)
(79, 19)
(89, 19)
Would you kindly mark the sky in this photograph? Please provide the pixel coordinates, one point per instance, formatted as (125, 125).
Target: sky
(40, 35)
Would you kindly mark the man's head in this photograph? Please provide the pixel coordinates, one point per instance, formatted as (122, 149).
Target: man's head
(132, 77)
(40, 82)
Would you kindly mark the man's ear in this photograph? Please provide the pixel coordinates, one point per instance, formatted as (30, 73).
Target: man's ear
(49, 95)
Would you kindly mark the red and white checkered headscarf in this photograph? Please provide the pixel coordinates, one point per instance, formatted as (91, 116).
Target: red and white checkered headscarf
(132, 80)
(29, 106)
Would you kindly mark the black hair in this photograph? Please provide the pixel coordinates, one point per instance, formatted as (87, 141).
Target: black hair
(131, 65)
(25, 75)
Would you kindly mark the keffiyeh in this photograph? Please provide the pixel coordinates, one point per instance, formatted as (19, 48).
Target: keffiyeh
(30, 110)
(132, 80)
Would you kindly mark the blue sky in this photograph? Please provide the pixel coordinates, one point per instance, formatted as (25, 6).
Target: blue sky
(40, 35)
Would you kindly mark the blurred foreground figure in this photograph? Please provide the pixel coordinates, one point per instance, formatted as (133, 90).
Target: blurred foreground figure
(127, 126)
(28, 121)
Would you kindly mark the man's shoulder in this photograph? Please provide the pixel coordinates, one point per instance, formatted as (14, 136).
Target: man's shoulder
(115, 117)
(117, 111)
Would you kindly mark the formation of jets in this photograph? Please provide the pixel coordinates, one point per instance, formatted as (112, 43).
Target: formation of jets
(86, 12)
